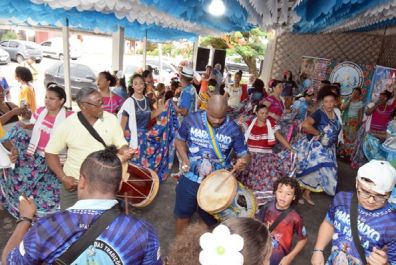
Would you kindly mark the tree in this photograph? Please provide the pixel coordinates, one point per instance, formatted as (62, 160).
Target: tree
(249, 45)
(9, 35)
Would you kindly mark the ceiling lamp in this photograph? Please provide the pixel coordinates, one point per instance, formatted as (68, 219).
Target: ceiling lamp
(217, 8)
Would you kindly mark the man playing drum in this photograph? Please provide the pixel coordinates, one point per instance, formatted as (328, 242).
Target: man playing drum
(205, 142)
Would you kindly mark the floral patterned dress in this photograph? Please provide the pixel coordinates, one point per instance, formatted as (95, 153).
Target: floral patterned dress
(156, 148)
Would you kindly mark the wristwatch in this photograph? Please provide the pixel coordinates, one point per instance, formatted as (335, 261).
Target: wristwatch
(26, 219)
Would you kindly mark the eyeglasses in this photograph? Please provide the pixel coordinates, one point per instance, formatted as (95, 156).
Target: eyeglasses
(366, 195)
(97, 105)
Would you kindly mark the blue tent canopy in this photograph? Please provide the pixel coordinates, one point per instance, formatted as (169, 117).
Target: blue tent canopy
(318, 16)
(43, 15)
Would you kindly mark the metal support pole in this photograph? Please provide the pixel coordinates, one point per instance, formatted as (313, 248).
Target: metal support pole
(66, 63)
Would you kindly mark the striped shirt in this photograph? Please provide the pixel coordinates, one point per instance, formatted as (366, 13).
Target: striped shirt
(258, 138)
(126, 241)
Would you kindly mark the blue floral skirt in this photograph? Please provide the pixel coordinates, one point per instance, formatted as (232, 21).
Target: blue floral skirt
(31, 176)
(316, 165)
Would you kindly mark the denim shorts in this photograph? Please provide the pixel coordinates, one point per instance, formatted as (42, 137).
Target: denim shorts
(186, 201)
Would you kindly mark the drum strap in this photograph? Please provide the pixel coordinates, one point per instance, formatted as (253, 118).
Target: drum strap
(280, 218)
(90, 128)
(89, 237)
(213, 141)
(353, 215)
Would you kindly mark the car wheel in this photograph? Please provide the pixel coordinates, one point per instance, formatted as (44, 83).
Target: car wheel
(61, 57)
(19, 58)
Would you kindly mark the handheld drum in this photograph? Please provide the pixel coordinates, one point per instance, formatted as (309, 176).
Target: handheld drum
(221, 195)
(139, 185)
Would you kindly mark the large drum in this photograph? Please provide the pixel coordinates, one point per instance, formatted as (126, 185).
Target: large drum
(221, 195)
(139, 186)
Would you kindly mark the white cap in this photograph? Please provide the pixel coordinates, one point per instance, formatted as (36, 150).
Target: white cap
(381, 173)
(187, 72)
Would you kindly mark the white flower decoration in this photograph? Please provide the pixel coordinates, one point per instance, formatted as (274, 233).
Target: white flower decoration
(221, 248)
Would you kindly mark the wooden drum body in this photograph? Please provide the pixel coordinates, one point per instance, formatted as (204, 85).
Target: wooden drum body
(221, 195)
(139, 186)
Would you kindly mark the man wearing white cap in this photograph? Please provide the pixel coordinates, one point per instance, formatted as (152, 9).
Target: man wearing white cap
(188, 97)
(361, 225)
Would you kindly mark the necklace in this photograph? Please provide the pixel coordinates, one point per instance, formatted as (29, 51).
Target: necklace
(140, 100)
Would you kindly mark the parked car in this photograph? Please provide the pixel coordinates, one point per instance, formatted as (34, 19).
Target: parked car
(21, 50)
(4, 56)
(80, 76)
(54, 48)
(168, 70)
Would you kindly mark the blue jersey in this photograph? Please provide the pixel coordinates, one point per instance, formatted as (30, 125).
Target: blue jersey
(202, 156)
(376, 229)
(188, 99)
(126, 241)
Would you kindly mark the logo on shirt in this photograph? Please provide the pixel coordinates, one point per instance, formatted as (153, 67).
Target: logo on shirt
(202, 134)
(99, 253)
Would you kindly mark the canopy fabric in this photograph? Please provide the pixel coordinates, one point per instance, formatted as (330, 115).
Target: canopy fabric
(24, 11)
(341, 15)
(196, 11)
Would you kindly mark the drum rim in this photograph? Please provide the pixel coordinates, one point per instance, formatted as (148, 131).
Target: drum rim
(228, 202)
(153, 191)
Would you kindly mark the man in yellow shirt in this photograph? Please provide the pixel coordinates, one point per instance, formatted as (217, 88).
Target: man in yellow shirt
(79, 143)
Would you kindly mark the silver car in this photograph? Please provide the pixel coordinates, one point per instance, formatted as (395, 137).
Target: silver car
(4, 56)
(21, 50)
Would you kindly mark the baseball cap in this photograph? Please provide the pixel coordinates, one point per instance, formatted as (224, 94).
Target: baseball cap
(187, 72)
(381, 173)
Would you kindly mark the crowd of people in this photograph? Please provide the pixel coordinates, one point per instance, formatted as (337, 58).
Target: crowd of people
(281, 143)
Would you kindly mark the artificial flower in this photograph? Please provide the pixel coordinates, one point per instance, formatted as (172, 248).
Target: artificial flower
(221, 247)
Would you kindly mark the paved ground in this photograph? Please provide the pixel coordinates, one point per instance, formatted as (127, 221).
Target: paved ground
(160, 213)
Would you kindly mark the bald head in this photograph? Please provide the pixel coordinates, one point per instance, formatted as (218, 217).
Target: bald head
(216, 110)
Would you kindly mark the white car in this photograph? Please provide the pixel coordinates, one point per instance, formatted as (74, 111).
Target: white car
(54, 48)
(4, 56)
(168, 71)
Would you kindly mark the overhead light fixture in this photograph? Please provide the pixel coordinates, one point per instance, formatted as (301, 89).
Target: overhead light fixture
(217, 8)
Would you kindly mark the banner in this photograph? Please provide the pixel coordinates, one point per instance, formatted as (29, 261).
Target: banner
(350, 75)
(384, 78)
(313, 70)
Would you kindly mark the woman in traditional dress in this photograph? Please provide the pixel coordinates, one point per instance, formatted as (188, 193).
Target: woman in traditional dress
(373, 130)
(111, 101)
(352, 118)
(274, 102)
(31, 175)
(289, 88)
(154, 144)
(316, 153)
(265, 167)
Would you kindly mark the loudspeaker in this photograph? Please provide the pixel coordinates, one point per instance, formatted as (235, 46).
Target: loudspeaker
(219, 56)
(202, 59)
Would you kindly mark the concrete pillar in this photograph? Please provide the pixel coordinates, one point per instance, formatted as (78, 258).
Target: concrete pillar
(66, 63)
(269, 58)
(118, 50)
(195, 53)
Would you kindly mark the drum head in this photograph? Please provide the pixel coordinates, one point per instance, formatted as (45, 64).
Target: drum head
(141, 187)
(217, 191)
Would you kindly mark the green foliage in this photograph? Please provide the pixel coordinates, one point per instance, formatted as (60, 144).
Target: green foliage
(9, 35)
(249, 45)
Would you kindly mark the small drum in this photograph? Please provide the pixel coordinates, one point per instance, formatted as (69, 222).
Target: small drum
(221, 195)
(139, 185)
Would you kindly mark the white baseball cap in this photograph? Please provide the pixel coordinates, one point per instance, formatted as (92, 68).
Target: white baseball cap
(187, 72)
(381, 173)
